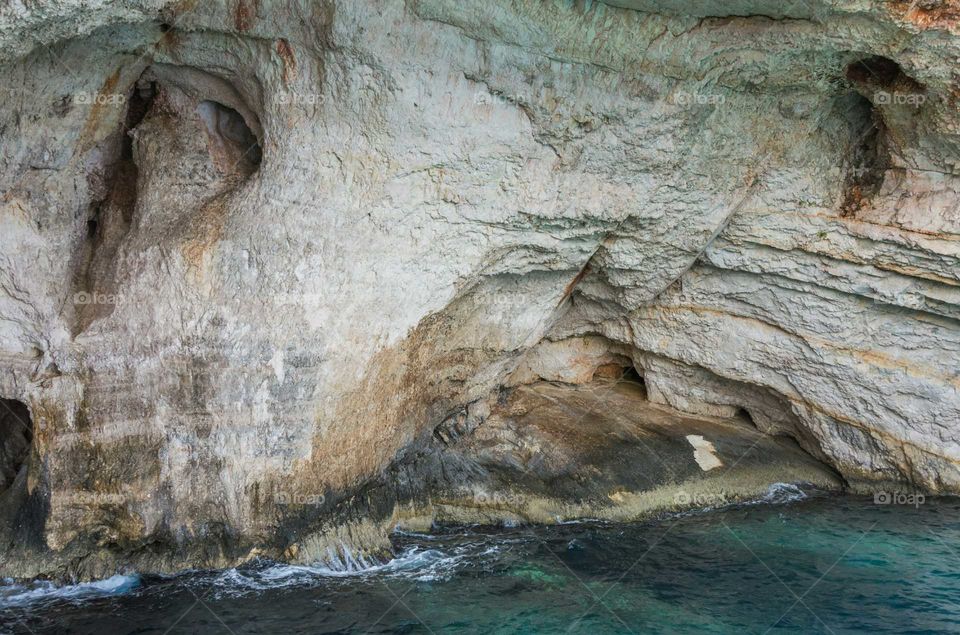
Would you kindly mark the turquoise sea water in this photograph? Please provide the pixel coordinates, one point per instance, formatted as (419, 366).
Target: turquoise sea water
(825, 564)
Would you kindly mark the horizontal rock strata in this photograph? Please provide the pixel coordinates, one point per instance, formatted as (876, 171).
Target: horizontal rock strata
(264, 252)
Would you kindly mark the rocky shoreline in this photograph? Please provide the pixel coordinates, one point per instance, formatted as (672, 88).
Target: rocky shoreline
(545, 453)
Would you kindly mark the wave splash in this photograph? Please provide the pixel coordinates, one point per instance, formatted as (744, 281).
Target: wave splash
(780, 493)
(39, 591)
(414, 563)
(776, 494)
(423, 565)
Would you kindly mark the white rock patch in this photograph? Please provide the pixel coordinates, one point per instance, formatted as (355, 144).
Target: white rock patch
(704, 453)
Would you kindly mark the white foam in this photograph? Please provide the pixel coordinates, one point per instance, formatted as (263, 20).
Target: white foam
(780, 493)
(579, 521)
(776, 494)
(40, 591)
(414, 564)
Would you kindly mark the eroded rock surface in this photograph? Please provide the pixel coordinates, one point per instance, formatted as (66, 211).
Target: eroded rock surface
(259, 257)
(552, 452)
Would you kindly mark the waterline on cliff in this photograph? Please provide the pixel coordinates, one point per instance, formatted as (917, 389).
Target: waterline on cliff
(415, 562)
(860, 565)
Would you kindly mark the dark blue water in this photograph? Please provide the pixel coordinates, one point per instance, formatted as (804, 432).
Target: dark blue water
(820, 565)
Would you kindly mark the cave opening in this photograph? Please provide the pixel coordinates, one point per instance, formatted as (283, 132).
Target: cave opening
(621, 373)
(868, 154)
(632, 375)
(16, 436)
(875, 68)
(233, 145)
(880, 86)
(111, 213)
(881, 73)
(138, 105)
(121, 177)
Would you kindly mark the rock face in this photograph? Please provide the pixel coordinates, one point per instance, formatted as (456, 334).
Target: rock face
(269, 267)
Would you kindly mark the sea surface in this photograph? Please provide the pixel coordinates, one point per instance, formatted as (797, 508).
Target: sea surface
(795, 562)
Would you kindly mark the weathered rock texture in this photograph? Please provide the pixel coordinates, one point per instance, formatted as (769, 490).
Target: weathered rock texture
(262, 251)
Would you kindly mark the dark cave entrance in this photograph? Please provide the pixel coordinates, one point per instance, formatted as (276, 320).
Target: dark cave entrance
(744, 414)
(630, 374)
(621, 373)
(868, 153)
(111, 212)
(880, 87)
(880, 72)
(16, 435)
(232, 142)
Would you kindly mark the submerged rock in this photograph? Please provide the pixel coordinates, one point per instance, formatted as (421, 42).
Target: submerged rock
(273, 274)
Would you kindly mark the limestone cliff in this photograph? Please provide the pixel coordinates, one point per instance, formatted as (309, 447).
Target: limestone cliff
(276, 274)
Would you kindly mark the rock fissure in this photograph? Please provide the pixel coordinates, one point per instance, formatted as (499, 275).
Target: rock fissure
(16, 437)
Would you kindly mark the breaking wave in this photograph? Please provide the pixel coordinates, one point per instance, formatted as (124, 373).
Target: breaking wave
(417, 564)
(776, 494)
(780, 493)
(39, 591)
